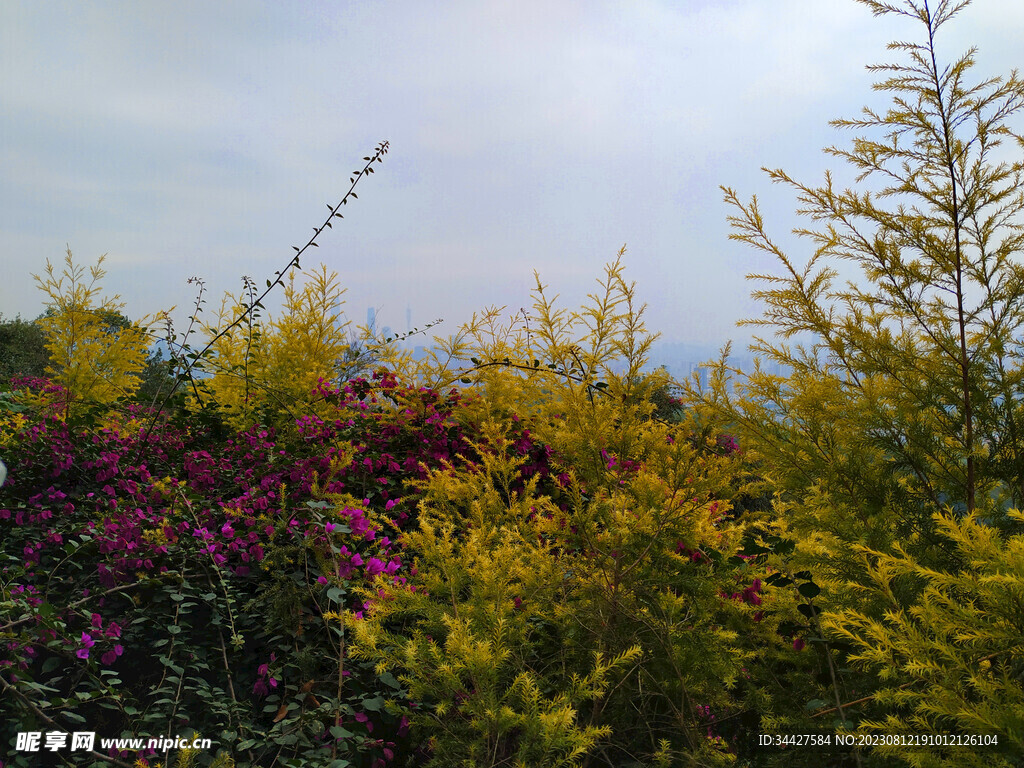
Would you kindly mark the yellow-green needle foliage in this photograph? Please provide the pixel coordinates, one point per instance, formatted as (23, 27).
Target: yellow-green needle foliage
(548, 625)
(260, 369)
(898, 429)
(95, 356)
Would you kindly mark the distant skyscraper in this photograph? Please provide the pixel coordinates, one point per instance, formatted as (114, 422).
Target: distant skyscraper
(703, 374)
(371, 319)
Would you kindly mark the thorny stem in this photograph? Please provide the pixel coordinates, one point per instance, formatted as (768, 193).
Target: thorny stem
(377, 157)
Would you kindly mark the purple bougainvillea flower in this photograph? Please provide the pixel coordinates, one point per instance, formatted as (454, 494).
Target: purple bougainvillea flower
(87, 643)
(110, 656)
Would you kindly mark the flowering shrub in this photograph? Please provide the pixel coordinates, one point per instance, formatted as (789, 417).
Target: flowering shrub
(582, 590)
(398, 571)
(188, 589)
(387, 571)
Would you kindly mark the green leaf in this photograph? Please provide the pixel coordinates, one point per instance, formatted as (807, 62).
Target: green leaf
(753, 548)
(374, 704)
(389, 680)
(809, 590)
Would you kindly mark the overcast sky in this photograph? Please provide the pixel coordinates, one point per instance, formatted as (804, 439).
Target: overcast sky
(204, 138)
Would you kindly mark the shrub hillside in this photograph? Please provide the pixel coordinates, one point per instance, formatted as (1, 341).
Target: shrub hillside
(527, 549)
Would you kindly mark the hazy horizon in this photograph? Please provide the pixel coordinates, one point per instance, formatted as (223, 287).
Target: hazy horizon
(204, 139)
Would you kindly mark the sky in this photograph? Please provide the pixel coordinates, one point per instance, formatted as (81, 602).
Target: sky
(204, 139)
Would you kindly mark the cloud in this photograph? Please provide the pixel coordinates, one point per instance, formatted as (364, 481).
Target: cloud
(205, 138)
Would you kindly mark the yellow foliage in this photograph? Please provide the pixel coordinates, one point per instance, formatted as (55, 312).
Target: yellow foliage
(275, 366)
(96, 361)
(516, 591)
(950, 661)
(11, 425)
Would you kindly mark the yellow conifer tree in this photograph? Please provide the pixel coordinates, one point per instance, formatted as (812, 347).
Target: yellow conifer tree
(95, 355)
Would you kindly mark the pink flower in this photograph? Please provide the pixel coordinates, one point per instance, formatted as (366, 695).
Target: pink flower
(87, 643)
(110, 656)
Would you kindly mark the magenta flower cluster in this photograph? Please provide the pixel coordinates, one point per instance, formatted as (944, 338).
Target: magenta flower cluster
(92, 515)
